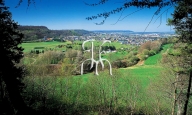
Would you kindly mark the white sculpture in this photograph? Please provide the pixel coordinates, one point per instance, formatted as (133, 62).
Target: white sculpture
(92, 57)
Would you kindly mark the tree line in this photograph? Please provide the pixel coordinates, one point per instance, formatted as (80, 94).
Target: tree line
(39, 33)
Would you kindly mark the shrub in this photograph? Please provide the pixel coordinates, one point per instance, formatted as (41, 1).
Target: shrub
(145, 52)
(39, 47)
(143, 57)
(134, 59)
(150, 45)
(152, 52)
(37, 51)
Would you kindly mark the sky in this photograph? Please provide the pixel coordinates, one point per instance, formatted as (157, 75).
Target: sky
(71, 14)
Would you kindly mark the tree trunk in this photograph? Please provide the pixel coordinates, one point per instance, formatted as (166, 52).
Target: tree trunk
(174, 96)
(174, 103)
(188, 94)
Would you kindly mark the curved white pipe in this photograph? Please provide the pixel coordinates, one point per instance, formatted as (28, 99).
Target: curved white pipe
(92, 57)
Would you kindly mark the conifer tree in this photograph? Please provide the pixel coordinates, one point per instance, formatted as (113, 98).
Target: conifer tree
(10, 73)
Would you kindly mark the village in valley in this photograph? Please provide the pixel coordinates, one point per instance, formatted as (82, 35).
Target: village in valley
(124, 37)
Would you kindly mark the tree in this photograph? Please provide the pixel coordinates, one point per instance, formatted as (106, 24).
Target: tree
(10, 73)
(140, 4)
(175, 78)
(182, 22)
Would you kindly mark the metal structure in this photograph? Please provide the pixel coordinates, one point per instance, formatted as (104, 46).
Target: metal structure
(92, 57)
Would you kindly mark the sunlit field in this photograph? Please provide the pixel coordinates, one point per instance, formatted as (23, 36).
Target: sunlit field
(127, 87)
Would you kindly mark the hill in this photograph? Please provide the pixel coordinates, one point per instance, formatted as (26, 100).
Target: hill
(32, 33)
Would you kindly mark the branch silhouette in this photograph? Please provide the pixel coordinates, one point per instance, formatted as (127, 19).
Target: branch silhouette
(160, 16)
(125, 16)
(96, 4)
(29, 2)
(134, 3)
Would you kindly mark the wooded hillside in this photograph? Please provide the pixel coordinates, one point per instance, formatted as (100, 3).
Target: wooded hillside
(39, 32)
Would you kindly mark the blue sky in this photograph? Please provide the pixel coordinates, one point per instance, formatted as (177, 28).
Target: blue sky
(71, 14)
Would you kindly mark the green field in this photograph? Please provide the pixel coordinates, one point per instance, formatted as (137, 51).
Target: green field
(30, 46)
(146, 72)
(149, 70)
(90, 93)
(124, 79)
(153, 60)
(52, 44)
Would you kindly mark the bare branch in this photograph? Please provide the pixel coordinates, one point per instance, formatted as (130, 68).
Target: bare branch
(160, 16)
(125, 16)
(160, 21)
(120, 2)
(96, 4)
(119, 17)
(101, 23)
(134, 3)
(29, 2)
(149, 22)
(19, 3)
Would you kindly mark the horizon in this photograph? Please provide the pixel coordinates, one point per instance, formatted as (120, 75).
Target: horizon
(65, 15)
(101, 30)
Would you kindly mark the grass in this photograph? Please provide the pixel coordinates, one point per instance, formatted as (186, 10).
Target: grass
(30, 46)
(115, 56)
(143, 73)
(86, 89)
(150, 70)
(153, 60)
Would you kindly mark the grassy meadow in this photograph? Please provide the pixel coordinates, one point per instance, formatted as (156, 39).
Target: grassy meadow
(148, 70)
(30, 46)
(77, 45)
(127, 91)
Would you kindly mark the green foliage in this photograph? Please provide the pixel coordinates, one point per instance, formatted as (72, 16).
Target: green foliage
(141, 4)
(146, 52)
(182, 20)
(47, 45)
(153, 60)
(41, 33)
(49, 57)
(105, 48)
(11, 73)
(124, 92)
(93, 94)
(39, 47)
(150, 48)
(152, 52)
(143, 57)
(101, 92)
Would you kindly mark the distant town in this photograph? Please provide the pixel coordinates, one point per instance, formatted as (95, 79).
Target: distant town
(124, 37)
(42, 33)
